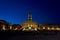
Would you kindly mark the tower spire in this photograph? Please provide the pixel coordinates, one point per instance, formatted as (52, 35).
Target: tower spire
(29, 16)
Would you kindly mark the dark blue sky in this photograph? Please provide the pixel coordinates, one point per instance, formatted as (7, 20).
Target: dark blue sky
(43, 11)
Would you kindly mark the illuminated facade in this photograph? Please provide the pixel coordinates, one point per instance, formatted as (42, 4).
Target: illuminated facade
(29, 25)
(16, 27)
(3, 25)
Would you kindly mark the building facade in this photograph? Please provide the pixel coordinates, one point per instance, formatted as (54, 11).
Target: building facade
(29, 25)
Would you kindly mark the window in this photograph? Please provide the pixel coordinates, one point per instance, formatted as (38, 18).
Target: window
(32, 27)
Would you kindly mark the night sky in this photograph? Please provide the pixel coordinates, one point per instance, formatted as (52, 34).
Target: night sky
(43, 11)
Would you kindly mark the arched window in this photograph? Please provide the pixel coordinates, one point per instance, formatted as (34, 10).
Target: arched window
(32, 28)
